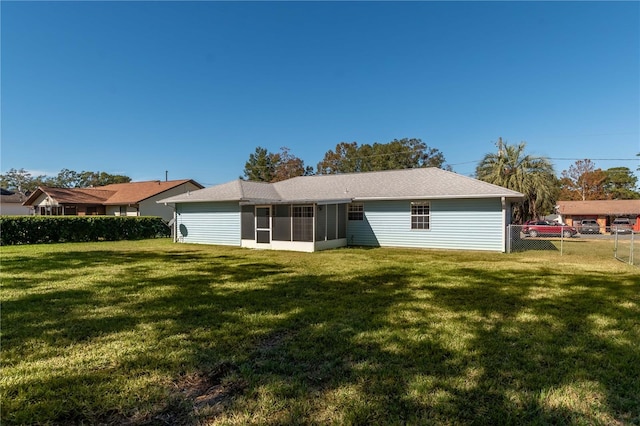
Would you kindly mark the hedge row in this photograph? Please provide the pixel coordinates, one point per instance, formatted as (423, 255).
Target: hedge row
(59, 229)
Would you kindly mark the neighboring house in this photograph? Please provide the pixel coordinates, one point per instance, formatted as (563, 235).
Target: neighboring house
(11, 203)
(120, 199)
(603, 211)
(422, 208)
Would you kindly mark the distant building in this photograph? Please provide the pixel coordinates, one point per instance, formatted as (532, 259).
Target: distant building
(120, 199)
(603, 211)
(11, 204)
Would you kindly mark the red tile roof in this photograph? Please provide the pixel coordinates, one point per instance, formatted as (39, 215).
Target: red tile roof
(71, 195)
(600, 207)
(134, 192)
(115, 194)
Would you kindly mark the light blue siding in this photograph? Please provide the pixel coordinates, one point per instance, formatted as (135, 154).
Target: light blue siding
(469, 224)
(209, 223)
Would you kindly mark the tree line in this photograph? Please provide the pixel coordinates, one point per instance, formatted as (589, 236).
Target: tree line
(24, 182)
(510, 167)
(265, 166)
(583, 181)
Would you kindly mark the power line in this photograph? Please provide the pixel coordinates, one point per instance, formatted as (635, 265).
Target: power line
(596, 159)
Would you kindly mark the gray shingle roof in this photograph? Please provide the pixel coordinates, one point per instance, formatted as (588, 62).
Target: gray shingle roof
(423, 183)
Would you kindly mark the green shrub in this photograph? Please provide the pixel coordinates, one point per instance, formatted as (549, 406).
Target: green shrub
(58, 229)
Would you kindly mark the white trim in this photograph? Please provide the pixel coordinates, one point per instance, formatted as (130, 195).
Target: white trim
(354, 204)
(303, 246)
(270, 228)
(435, 197)
(344, 201)
(422, 215)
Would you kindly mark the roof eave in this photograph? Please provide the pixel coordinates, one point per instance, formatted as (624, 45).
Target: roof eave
(296, 201)
(440, 197)
(187, 201)
(33, 197)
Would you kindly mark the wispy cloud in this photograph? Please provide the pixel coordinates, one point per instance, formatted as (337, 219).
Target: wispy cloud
(41, 172)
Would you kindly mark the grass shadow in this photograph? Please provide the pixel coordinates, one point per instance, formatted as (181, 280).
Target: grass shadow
(272, 338)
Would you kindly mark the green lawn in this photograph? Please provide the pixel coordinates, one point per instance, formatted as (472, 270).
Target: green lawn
(151, 332)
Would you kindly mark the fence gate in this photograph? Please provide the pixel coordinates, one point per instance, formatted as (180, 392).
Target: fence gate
(623, 248)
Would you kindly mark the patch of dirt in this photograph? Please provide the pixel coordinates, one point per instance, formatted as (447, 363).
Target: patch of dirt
(211, 391)
(203, 396)
(196, 396)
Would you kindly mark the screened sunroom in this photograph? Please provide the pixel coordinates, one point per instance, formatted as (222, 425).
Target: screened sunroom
(294, 226)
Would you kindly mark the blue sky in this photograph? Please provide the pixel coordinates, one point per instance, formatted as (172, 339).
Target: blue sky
(137, 88)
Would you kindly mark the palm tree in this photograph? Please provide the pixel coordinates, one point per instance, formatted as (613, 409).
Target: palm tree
(532, 176)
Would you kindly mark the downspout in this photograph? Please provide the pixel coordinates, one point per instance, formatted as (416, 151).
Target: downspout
(175, 223)
(503, 202)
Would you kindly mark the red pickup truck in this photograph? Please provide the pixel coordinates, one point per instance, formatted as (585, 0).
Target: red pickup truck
(534, 228)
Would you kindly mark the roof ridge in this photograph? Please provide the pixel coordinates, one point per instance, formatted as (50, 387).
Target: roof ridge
(364, 173)
(424, 182)
(475, 179)
(241, 186)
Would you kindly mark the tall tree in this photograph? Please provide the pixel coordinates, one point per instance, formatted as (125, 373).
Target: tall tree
(583, 182)
(265, 166)
(343, 160)
(621, 184)
(23, 181)
(89, 179)
(261, 166)
(64, 179)
(533, 176)
(20, 180)
(397, 154)
(288, 166)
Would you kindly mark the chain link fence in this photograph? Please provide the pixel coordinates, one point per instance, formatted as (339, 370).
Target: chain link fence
(568, 240)
(624, 245)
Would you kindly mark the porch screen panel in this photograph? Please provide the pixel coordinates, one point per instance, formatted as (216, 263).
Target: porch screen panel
(263, 217)
(282, 223)
(302, 223)
(321, 213)
(342, 221)
(247, 223)
(331, 222)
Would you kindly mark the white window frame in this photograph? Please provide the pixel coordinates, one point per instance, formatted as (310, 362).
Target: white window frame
(418, 212)
(357, 210)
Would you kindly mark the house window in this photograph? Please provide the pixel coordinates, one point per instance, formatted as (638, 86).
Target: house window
(356, 211)
(420, 215)
(51, 211)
